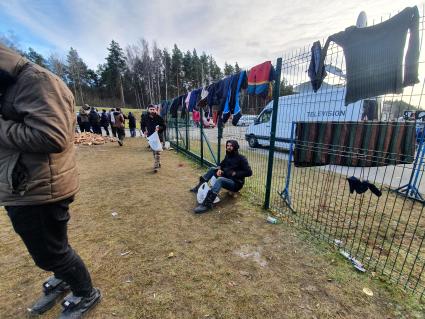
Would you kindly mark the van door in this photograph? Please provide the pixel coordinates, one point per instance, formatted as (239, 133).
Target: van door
(263, 127)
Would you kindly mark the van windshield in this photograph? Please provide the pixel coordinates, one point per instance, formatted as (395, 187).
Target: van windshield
(265, 117)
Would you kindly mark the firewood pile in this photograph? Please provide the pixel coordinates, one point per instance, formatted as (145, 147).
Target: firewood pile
(87, 138)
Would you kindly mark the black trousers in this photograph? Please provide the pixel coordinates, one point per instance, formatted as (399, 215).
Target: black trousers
(114, 131)
(105, 127)
(43, 230)
(121, 133)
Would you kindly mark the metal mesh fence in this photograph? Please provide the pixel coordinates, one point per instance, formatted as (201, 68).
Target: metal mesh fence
(310, 171)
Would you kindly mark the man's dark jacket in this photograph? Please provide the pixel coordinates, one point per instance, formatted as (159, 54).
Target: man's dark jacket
(237, 163)
(149, 124)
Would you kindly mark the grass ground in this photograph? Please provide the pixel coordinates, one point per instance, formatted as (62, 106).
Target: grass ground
(157, 259)
(385, 233)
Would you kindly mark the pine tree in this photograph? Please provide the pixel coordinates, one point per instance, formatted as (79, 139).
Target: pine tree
(176, 71)
(114, 69)
(35, 57)
(228, 69)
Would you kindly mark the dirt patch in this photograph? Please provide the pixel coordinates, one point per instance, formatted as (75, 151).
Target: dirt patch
(156, 259)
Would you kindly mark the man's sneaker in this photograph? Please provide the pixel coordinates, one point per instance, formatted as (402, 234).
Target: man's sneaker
(53, 290)
(120, 143)
(77, 307)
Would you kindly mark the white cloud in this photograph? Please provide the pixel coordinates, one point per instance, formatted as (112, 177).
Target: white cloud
(247, 32)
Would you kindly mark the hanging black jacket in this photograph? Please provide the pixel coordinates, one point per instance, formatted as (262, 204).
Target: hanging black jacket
(375, 56)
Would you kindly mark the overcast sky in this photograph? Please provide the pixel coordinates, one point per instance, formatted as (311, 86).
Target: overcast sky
(248, 32)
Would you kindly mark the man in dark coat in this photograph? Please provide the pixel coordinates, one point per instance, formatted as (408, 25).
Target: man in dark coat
(94, 119)
(230, 175)
(132, 124)
(104, 121)
(150, 124)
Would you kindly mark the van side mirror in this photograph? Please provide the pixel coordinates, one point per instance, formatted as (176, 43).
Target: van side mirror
(256, 121)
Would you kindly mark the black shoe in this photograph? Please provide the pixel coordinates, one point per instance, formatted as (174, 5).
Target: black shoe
(53, 290)
(76, 307)
(201, 181)
(207, 204)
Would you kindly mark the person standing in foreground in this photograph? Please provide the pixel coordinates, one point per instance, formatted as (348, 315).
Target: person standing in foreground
(230, 175)
(150, 124)
(39, 177)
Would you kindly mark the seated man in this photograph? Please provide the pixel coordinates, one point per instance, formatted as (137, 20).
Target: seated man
(230, 175)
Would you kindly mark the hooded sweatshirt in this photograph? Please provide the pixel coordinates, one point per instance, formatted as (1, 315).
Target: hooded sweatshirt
(235, 162)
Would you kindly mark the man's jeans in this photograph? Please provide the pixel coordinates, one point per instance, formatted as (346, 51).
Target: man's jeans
(133, 132)
(43, 229)
(224, 182)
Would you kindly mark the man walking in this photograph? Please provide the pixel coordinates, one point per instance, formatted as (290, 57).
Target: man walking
(104, 121)
(119, 125)
(150, 124)
(132, 124)
(94, 119)
(230, 175)
(39, 178)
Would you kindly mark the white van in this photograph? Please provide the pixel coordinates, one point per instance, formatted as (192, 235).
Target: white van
(327, 105)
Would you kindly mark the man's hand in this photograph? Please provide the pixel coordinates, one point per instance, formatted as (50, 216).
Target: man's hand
(219, 172)
(157, 128)
(145, 133)
(233, 173)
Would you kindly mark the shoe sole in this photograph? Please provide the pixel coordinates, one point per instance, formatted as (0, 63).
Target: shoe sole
(93, 305)
(48, 306)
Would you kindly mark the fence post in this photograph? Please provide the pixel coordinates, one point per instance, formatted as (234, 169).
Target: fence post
(219, 137)
(201, 127)
(177, 132)
(187, 130)
(276, 92)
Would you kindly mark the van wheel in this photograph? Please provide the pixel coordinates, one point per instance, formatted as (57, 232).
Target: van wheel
(252, 142)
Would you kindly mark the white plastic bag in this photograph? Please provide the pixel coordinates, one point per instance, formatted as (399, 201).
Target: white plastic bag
(202, 193)
(212, 181)
(154, 142)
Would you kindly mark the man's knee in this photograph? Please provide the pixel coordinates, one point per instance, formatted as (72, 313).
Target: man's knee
(55, 262)
(220, 180)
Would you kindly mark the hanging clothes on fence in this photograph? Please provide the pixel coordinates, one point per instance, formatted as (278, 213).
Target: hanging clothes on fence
(183, 106)
(259, 78)
(164, 108)
(194, 98)
(225, 115)
(187, 99)
(361, 187)
(313, 68)
(374, 56)
(238, 82)
(356, 144)
(174, 107)
(203, 99)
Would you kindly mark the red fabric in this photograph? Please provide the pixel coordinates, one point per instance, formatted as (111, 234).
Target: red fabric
(260, 74)
(196, 116)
